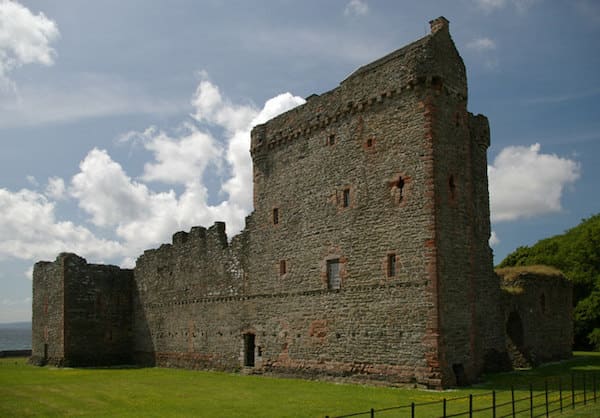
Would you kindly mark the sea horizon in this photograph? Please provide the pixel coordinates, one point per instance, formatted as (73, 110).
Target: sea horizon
(15, 336)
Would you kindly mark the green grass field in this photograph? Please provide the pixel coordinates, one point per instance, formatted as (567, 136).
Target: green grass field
(154, 392)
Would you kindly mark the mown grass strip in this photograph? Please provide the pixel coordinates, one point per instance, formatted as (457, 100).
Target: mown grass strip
(153, 392)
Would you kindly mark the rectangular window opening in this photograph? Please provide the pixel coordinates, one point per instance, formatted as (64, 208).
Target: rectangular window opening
(333, 274)
(391, 265)
(331, 139)
(275, 216)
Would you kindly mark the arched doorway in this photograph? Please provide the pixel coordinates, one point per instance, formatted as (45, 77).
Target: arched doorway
(515, 341)
(514, 329)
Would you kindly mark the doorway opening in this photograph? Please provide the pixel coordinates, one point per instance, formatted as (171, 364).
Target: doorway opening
(514, 329)
(249, 347)
(459, 374)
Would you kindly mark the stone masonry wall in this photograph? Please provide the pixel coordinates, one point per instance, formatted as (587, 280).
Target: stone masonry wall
(538, 316)
(47, 339)
(464, 262)
(448, 138)
(81, 313)
(366, 332)
(98, 312)
(373, 138)
(489, 313)
(186, 296)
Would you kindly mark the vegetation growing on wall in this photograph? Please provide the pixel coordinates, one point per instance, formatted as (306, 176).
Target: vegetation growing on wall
(577, 254)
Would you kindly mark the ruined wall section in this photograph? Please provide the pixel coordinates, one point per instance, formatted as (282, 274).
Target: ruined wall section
(187, 299)
(490, 346)
(47, 337)
(81, 313)
(537, 317)
(98, 313)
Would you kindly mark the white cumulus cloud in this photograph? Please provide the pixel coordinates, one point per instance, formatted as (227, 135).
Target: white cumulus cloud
(179, 160)
(127, 209)
(104, 191)
(489, 6)
(212, 108)
(25, 38)
(356, 8)
(30, 230)
(481, 44)
(239, 185)
(32, 180)
(524, 182)
(142, 217)
(56, 188)
(494, 240)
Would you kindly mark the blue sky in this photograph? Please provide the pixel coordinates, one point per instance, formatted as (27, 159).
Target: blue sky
(122, 122)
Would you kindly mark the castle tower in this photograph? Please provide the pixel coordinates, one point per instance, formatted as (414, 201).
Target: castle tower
(375, 193)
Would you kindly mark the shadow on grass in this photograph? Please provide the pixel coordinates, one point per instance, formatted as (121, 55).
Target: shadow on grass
(581, 363)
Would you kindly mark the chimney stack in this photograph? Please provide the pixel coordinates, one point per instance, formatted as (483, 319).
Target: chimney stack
(441, 23)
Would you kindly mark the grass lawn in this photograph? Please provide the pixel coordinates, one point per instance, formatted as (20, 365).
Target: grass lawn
(153, 392)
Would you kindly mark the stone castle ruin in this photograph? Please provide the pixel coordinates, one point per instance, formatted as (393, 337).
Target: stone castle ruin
(366, 255)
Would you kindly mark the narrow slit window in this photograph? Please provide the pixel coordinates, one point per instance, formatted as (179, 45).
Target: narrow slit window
(452, 187)
(275, 216)
(346, 198)
(282, 267)
(331, 139)
(391, 265)
(400, 187)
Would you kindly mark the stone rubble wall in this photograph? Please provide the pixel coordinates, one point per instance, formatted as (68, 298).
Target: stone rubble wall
(544, 305)
(179, 293)
(81, 313)
(47, 339)
(98, 312)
